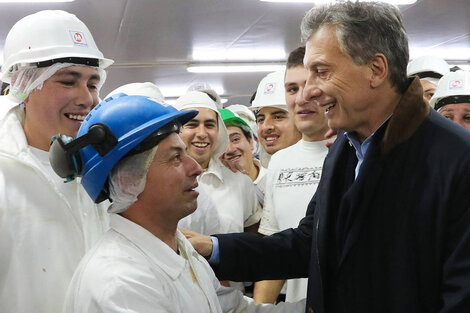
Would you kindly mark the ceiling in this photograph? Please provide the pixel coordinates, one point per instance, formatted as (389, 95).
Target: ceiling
(155, 40)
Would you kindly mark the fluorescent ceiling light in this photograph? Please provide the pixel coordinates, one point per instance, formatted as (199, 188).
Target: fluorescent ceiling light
(395, 2)
(235, 68)
(238, 54)
(454, 52)
(33, 1)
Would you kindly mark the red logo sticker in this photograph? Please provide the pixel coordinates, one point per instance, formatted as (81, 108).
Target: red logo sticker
(455, 84)
(269, 88)
(78, 38)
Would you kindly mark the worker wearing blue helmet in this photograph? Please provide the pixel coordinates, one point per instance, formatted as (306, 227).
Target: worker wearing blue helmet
(128, 150)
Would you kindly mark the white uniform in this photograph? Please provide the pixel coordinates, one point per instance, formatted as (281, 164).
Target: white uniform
(131, 270)
(260, 182)
(233, 195)
(205, 220)
(292, 179)
(46, 226)
(5, 105)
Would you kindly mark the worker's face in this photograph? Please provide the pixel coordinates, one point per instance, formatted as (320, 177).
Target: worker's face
(240, 148)
(309, 118)
(428, 89)
(337, 84)
(200, 136)
(276, 129)
(457, 112)
(60, 105)
(171, 180)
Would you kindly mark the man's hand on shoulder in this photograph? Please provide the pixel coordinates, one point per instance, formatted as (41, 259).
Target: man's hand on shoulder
(201, 243)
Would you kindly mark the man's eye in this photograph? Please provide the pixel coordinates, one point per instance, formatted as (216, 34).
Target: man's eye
(190, 125)
(67, 82)
(292, 90)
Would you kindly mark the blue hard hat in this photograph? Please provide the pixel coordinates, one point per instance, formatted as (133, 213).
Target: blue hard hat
(129, 120)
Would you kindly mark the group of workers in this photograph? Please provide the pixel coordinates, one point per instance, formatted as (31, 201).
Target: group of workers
(342, 185)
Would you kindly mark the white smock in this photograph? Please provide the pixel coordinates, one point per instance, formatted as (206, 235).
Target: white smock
(131, 270)
(46, 226)
(260, 182)
(205, 219)
(233, 195)
(292, 179)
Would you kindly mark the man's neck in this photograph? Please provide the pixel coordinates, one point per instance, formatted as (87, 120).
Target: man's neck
(159, 227)
(378, 115)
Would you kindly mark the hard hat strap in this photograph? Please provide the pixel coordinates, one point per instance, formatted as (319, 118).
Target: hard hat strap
(452, 100)
(73, 60)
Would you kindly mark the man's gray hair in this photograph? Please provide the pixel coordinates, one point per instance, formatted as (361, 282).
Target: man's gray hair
(364, 29)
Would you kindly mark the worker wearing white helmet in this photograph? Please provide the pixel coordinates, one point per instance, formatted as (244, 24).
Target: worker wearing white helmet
(452, 97)
(206, 139)
(429, 69)
(276, 129)
(55, 71)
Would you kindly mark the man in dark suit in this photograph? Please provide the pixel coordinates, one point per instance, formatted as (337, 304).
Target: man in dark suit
(388, 230)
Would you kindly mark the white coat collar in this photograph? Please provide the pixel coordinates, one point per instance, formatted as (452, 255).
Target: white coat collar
(157, 251)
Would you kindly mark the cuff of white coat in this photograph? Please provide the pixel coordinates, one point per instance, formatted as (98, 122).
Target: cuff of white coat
(215, 258)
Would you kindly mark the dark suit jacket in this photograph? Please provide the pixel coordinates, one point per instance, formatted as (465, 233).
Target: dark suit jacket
(396, 240)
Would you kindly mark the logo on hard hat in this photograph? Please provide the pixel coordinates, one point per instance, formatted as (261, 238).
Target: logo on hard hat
(269, 88)
(78, 38)
(456, 84)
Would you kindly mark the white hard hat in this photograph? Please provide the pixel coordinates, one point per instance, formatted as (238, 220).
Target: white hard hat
(146, 89)
(47, 36)
(452, 88)
(198, 99)
(270, 92)
(205, 87)
(427, 66)
(246, 114)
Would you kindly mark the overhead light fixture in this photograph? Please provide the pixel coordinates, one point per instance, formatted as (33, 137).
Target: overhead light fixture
(394, 2)
(235, 54)
(235, 67)
(33, 1)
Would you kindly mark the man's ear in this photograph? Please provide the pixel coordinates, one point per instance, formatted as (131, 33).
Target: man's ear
(251, 142)
(379, 70)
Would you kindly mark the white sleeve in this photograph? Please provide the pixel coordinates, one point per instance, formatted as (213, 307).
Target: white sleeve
(233, 301)
(253, 209)
(268, 224)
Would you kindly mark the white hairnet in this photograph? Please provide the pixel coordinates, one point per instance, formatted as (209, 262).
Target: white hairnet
(127, 180)
(432, 80)
(29, 79)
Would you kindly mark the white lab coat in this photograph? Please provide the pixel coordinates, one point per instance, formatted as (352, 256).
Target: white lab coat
(131, 270)
(234, 196)
(206, 219)
(43, 235)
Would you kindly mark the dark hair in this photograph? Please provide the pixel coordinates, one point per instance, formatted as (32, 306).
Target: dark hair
(364, 29)
(253, 96)
(296, 57)
(245, 130)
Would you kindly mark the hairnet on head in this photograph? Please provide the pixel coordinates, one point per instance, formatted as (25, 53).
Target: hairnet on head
(29, 79)
(432, 80)
(127, 179)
